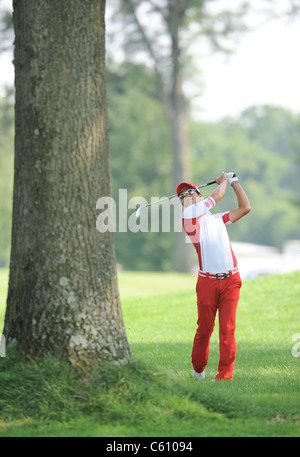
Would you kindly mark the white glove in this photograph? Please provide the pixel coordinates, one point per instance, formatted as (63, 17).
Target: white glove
(232, 178)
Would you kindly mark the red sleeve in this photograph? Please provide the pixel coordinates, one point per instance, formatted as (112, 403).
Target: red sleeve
(226, 219)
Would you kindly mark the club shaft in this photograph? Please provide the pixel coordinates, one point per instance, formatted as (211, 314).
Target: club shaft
(175, 195)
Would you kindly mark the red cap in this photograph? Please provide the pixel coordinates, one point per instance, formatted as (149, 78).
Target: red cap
(182, 185)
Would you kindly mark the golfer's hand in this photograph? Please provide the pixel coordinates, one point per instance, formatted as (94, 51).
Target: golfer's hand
(222, 178)
(232, 178)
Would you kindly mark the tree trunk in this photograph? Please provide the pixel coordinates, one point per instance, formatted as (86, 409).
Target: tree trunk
(180, 168)
(178, 121)
(63, 293)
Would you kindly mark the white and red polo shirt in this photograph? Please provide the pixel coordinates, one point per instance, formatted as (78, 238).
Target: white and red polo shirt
(209, 236)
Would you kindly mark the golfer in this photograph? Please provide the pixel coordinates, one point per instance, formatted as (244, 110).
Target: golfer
(219, 282)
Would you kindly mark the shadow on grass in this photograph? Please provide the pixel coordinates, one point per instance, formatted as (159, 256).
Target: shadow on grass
(266, 379)
(153, 394)
(44, 396)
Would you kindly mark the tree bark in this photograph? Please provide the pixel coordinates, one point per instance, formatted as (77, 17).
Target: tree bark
(63, 292)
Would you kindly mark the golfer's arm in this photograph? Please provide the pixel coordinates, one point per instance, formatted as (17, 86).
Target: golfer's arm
(219, 192)
(244, 206)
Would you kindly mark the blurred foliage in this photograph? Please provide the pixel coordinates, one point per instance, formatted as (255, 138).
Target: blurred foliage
(140, 161)
(6, 29)
(261, 146)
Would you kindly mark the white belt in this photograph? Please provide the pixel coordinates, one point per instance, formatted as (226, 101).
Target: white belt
(205, 274)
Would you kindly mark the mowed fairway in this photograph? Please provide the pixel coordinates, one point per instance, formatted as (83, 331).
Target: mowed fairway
(155, 394)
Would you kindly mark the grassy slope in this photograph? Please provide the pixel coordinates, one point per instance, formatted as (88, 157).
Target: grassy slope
(155, 395)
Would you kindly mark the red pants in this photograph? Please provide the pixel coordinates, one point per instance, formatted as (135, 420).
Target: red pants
(213, 294)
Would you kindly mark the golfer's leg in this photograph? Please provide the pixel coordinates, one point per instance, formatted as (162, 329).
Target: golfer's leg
(227, 318)
(207, 307)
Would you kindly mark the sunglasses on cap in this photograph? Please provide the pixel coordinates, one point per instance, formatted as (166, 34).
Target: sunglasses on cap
(188, 192)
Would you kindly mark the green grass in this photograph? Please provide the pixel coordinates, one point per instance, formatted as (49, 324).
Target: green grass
(154, 395)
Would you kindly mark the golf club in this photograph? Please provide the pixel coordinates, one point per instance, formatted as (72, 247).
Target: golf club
(138, 211)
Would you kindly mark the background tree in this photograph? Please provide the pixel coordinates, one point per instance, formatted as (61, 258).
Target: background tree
(140, 161)
(63, 293)
(6, 173)
(163, 30)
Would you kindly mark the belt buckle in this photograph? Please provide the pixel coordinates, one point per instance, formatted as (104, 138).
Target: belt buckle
(224, 275)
